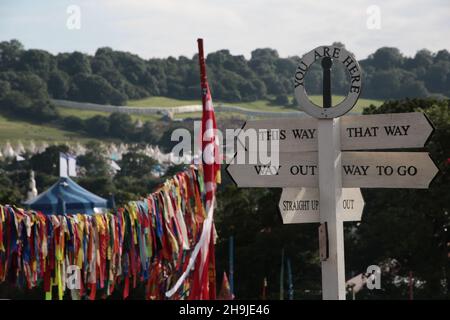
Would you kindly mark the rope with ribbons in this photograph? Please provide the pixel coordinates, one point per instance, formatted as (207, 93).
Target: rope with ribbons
(149, 241)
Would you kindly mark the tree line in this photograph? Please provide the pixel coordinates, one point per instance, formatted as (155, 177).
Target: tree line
(30, 78)
(113, 77)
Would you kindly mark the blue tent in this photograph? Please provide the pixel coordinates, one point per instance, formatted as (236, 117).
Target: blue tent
(66, 196)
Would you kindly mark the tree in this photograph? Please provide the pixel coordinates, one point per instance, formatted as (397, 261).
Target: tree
(97, 126)
(136, 165)
(395, 83)
(58, 84)
(121, 125)
(386, 58)
(423, 59)
(10, 52)
(30, 84)
(112, 77)
(93, 88)
(74, 63)
(417, 218)
(47, 162)
(94, 161)
(13, 102)
(147, 133)
(43, 110)
(5, 88)
(282, 100)
(100, 183)
(437, 76)
(39, 62)
(259, 235)
(75, 124)
(442, 55)
(9, 193)
(413, 89)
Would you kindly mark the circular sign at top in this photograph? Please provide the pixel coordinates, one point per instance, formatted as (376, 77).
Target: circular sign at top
(353, 69)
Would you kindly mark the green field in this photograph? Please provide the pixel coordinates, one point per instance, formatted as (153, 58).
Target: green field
(14, 130)
(161, 102)
(219, 115)
(85, 114)
(360, 105)
(82, 114)
(261, 105)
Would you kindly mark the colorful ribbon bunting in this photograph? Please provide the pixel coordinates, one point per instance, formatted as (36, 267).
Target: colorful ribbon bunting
(148, 241)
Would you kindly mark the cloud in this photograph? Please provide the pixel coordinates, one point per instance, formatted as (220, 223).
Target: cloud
(159, 28)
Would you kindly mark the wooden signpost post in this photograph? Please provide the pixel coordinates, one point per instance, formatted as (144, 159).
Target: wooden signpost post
(322, 161)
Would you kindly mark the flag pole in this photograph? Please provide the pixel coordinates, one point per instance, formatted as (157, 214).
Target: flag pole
(264, 289)
(282, 276)
(231, 263)
(201, 60)
(291, 285)
(411, 285)
(209, 283)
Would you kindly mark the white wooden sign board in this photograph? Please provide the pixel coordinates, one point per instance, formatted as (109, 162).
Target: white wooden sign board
(302, 205)
(358, 132)
(414, 170)
(319, 153)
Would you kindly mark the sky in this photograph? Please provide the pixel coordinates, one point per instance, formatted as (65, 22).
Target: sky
(162, 28)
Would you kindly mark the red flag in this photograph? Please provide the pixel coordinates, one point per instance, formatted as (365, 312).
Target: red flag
(225, 291)
(210, 143)
(211, 174)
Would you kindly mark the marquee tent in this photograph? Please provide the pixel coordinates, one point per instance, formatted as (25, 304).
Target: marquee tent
(66, 196)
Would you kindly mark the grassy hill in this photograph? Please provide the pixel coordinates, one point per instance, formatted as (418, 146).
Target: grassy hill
(262, 105)
(12, 130)
(85, 114)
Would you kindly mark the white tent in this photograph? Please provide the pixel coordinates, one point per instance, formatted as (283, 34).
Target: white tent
(20, 148)
(31, 147)
(80, 149)
(41, 148)
(123, 148)
(8, 151)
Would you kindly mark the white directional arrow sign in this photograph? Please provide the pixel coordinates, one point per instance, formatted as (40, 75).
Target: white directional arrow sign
(358, 132)
(385, 131)
(359, 169)
(301, 205)
(292, 134)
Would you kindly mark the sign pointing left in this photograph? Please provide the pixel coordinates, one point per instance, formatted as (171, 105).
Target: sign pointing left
(413, 170)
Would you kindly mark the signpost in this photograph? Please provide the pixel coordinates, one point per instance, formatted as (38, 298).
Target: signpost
(301, 205)
(358, 132)
(413, 170)
(319, 166)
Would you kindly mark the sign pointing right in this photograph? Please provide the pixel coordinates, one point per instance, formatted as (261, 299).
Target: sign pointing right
(358, 132)
(413, 170)
(385, 131)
